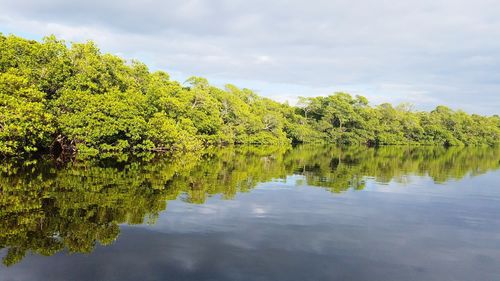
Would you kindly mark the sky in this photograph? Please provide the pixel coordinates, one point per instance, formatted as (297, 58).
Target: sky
(425, 52)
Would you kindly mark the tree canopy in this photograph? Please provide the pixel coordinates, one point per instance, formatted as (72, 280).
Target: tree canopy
(55, 94)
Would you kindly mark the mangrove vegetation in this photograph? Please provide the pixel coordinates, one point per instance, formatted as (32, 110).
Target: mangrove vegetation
(69, 97)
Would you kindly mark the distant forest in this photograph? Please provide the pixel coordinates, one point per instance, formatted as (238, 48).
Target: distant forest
(76, 98)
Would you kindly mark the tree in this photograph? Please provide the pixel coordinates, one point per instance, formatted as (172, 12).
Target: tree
(25, 123)
(79, 97)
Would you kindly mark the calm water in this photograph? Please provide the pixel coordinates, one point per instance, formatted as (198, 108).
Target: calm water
(308, 213)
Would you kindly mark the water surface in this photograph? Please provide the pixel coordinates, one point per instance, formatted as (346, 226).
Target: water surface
(255, 213)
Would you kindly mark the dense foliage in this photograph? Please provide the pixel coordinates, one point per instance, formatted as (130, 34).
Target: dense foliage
(52, 94)
(48, 206)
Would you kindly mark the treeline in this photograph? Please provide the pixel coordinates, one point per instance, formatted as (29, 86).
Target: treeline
(48, 206)
(68, 98)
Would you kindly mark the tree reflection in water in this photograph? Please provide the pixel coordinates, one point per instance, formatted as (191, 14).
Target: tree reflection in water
(47, 206)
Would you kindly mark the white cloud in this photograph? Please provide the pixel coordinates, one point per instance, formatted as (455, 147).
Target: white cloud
(425, 52)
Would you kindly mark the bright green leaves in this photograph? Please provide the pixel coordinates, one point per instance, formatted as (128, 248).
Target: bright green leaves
(45, 65)
(113, 121)
(25, 123)
(168, 134)
(101, 102)
(53, 67)
(346, 120)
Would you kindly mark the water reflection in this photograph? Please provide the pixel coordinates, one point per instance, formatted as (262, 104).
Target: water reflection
(47, 206)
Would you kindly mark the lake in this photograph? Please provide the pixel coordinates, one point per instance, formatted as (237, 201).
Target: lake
(255, 213)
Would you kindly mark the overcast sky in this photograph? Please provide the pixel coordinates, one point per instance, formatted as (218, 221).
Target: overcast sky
(425, 52)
